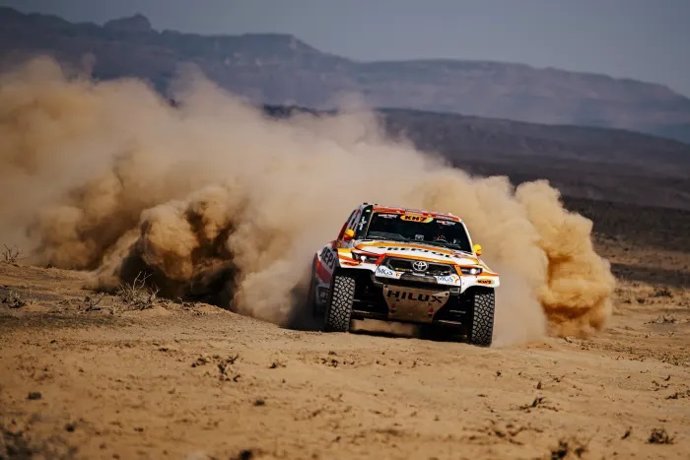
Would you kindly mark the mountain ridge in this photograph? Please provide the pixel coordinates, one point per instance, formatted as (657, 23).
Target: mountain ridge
(281, 69)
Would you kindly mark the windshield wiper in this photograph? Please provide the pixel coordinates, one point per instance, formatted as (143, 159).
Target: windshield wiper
(389, 236)
(445, 244)
(435, 243)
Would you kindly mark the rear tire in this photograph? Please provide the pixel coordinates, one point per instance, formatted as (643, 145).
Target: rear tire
(312, 305)
(482, 328)
(339, 308)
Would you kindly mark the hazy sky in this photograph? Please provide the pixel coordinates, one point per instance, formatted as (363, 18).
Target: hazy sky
(642, 39)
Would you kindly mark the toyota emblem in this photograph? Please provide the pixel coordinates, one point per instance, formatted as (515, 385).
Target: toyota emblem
(420, 266)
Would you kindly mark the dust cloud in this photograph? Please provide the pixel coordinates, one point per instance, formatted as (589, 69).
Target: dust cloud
(220, 202)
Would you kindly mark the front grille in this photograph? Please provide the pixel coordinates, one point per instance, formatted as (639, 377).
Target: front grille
(411, 281)
(406, 265)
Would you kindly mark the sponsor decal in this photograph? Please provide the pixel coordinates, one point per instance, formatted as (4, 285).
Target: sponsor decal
(413, 249)
(416, 218)
(395, 294)
(446, 279)
(383, 270)
(328, 258)
(484, 281)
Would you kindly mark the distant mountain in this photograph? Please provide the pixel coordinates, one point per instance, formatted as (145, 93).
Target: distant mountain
(585, 162)
(280, 69)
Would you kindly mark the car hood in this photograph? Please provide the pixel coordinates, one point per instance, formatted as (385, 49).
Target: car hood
(422, 251)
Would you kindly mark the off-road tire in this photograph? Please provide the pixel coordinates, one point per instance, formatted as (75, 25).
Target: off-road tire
(482, 328)
(339, 308)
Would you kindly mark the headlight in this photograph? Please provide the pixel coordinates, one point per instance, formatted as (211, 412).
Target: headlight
(470, 270)
(366, 258)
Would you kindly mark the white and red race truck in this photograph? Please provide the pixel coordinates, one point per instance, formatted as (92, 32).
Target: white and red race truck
(405, 265)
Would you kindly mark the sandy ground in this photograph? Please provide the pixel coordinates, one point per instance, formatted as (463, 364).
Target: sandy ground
(89, 377)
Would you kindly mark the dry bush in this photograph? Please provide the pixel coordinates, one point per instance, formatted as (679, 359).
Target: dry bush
(660, 436)
(569, 449)
(93, 303)
(664, 319)
(11, 298)
(9, 254)
(137, 293)
(662, 292)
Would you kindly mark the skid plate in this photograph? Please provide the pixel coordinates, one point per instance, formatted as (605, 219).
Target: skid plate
(412, 304)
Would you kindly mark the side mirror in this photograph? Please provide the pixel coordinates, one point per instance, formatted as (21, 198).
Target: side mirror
(477, 248)
(348, 235)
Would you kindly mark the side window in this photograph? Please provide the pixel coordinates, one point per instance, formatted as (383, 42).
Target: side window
(362, 221)
(346, 225)
(354, 218)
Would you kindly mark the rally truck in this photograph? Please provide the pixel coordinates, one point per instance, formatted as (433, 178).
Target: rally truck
(404, 265)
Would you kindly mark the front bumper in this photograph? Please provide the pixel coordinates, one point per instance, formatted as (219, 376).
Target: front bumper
(411, 299)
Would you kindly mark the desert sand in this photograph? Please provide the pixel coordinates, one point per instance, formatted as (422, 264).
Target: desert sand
(86, 375)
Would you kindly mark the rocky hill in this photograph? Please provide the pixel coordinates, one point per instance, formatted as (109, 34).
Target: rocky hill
(280, 69)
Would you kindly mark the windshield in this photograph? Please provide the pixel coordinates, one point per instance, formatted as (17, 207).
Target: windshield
(438, 232)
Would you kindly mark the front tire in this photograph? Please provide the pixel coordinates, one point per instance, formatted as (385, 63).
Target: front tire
(482, 329)
(339, 308)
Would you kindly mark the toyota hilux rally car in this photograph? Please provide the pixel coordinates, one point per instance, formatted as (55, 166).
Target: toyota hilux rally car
(404, 265)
